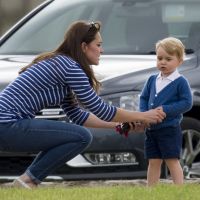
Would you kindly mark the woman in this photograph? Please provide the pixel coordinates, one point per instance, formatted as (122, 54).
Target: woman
(61, 77)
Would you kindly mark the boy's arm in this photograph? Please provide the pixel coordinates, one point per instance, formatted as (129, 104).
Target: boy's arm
(181, 106)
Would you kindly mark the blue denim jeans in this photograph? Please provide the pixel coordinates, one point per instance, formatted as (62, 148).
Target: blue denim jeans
(55, 142)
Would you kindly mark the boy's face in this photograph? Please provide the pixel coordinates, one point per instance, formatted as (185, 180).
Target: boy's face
(167, 63)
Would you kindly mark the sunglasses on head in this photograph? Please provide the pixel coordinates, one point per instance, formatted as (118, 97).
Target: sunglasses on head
(94, 25)
(93, 28)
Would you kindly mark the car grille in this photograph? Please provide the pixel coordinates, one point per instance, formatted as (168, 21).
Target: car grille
(52, 113)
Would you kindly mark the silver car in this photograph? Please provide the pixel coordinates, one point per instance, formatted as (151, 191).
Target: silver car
(130, 29)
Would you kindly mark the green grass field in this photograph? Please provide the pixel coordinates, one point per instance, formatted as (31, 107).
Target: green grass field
(160, 192)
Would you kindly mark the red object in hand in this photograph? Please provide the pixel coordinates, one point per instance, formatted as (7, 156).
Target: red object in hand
(123, 129)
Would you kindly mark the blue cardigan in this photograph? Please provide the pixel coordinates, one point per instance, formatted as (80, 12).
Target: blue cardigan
(175, 98)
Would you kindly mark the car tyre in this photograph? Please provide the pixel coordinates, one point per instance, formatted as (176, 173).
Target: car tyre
(190, 156)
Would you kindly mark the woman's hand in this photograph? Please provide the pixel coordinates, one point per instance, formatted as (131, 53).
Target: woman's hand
(139, 127)
(154, 116)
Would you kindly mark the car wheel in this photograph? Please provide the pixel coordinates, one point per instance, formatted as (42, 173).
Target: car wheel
(190, 158)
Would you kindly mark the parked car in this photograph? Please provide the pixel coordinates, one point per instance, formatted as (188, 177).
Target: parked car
(130, 29)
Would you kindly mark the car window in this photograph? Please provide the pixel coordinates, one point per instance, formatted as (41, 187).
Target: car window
(128, 27)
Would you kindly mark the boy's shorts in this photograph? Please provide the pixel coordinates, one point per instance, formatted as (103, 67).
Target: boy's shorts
(163, 143)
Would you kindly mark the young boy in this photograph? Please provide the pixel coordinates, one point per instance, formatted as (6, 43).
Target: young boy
(170, 92)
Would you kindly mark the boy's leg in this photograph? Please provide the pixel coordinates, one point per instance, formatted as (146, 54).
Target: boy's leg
(154, 170)
(176, 170)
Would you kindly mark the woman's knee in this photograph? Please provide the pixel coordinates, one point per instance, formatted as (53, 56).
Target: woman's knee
(86, 136)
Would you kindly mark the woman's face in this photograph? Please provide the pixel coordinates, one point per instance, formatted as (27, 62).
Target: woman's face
(93, 50)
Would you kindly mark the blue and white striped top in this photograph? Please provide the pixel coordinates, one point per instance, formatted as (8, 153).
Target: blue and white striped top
(48, 83)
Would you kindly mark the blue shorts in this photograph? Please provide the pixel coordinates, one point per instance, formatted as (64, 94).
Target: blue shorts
(163, 143)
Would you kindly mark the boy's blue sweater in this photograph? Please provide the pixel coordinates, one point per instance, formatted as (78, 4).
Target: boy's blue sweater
(175, 99)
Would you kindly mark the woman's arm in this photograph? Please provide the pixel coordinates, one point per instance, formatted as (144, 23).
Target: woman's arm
(151, 116)
(94, 122)
(88, 97)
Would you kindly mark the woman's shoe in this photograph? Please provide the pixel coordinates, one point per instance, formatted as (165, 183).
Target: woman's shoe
(19, 183)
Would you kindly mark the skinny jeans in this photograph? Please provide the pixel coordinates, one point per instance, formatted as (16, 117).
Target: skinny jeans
(55, 142)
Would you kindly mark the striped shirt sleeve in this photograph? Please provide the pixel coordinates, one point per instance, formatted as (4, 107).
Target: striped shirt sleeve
(79, 84)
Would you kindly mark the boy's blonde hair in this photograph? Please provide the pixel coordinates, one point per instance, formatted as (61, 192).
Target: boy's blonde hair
(172, 46)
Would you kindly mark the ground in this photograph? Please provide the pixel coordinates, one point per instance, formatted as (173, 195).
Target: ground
(135, 182)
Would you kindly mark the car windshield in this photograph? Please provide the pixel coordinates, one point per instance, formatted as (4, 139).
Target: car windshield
(128, 26)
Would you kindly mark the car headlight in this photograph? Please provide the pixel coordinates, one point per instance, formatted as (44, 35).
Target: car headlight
(103, 159)
(126, 100)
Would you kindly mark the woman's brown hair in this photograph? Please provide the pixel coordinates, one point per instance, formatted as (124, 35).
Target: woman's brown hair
(78, 32)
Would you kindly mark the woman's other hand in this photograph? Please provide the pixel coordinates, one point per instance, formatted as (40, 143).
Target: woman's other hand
(154, 116)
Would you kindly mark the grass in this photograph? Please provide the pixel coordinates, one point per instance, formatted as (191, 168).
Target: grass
(160, 192)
